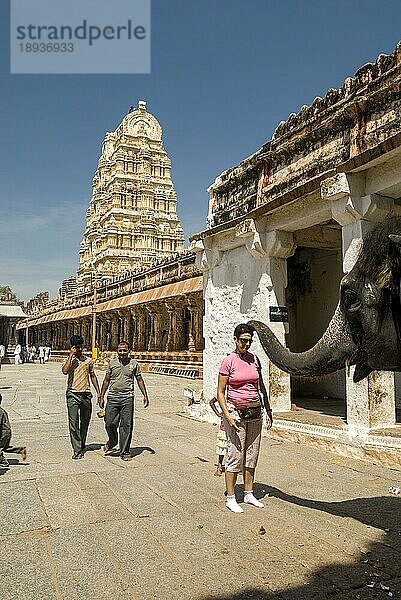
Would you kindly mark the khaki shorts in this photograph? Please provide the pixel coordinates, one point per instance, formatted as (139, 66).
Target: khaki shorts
(243, 445)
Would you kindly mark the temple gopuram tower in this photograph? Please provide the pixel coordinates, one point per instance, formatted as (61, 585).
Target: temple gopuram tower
(132, 217)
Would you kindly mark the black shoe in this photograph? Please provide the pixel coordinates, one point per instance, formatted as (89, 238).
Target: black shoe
(107, 451)
(77, 455)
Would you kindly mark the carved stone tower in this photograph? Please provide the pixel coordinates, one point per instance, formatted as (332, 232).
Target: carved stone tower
(132, 217)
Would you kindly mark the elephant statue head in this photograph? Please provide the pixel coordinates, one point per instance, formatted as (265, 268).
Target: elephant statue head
(365, 329)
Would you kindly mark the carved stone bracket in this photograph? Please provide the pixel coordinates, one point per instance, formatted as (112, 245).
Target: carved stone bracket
(279, 244)
(205, 258)
(373, 208)
(349, 205)
(248, 231)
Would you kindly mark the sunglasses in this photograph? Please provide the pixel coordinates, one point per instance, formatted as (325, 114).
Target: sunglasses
(245, 341)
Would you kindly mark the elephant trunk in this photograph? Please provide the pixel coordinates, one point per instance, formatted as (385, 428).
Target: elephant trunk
(329, 354)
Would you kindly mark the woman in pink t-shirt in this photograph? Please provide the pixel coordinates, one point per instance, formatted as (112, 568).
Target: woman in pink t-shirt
(241, 394)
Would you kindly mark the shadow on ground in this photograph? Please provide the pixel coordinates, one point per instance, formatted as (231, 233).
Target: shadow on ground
(375, 573)
(92, 447)
(115, 452)
(13, 462)
(140, 449)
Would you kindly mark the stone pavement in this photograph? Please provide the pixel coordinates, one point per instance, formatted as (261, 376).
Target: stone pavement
(156, 527)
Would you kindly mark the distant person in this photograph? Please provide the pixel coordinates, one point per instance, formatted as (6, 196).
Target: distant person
(5, 439)
(24, 354)
(119, 415)
(41, 352)
(17, 354)
(32, 353)
(80, 373)
(47, 353)
(2, 353)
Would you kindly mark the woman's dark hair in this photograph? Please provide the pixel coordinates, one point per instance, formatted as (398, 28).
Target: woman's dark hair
(76, 340)
(243, 328)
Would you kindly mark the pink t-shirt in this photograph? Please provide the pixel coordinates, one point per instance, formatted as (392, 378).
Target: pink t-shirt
(243, 376)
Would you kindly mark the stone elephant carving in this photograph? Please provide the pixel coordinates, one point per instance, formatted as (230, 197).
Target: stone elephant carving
(365, 329)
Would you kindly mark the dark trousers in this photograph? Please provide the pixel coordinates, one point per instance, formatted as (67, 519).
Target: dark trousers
(13, 449)
(5, 447)
(79, 406)
(120, 414)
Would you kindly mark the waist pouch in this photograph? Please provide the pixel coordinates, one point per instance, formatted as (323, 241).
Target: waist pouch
(250, 413)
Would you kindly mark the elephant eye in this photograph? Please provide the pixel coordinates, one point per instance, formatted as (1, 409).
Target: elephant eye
(350, 300)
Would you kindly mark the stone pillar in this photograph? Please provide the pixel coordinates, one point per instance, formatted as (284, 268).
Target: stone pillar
(76, 327)
(135, 319)
(85, 329)
(114, 330)
(175, 334)
(101, 323)
(371, 402)
(279, 245)
(128, 326)
(155, 312)
(69, 332)
(122, 325)
(60, 337)
(195, 305)
(139, 342)
(66, 337)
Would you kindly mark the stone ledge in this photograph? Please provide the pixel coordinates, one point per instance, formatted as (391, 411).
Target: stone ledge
(376, 449)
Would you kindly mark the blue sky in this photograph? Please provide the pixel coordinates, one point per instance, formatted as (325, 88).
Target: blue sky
(224, 73)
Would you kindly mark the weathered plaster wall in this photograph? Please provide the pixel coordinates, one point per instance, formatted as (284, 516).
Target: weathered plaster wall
(237, 289)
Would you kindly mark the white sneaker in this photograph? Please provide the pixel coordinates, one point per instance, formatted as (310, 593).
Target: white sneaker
(249, 498)
(233, 505)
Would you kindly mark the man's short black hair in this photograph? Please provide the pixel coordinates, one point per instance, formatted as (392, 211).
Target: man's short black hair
(243, 328)
(76, 340)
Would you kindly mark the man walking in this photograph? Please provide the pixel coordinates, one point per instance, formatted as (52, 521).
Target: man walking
(120, 375)
(79, 397)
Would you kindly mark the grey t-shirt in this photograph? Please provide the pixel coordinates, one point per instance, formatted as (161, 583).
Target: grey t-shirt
(122, 377)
